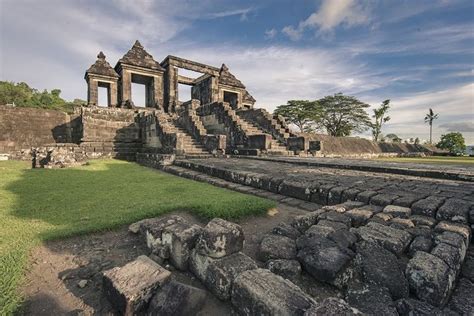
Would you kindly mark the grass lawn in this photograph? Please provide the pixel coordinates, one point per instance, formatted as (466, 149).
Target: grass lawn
(460, 161)
(42, 204)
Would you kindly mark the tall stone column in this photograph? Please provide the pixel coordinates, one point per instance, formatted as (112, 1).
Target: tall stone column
(158, 91)
(113, 94)
(92, 92)
(126, 86)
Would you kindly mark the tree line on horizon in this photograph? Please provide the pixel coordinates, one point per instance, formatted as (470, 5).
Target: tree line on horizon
(341, 115)
(22, 95)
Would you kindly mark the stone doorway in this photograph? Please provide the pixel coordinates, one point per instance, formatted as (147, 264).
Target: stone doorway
(232, 98)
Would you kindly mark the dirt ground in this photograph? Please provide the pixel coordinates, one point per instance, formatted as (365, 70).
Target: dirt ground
(64, 277)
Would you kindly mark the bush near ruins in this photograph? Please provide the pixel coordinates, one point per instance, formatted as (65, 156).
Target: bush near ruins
(22, 95)
(454, 142)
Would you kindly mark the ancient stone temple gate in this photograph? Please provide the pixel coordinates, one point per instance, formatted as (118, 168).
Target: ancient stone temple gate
(219, 117)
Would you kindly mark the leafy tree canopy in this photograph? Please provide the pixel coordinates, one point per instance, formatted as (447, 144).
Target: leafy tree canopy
(302, 113)
(381, 117)
(454, 142)
(342, 115)
(22, 95)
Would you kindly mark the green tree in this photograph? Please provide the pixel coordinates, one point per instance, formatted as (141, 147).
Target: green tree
(454, 142)
(429, 118)
(302, 113)
(393, 138)
(341, 115)
(380, 118)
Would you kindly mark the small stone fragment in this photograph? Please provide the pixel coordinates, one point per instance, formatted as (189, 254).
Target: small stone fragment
(82, 284)
(180, 239)
(220, 238)
(359, 216)
(303, 222)
(421, 220)
(277, 247)
(261, 292)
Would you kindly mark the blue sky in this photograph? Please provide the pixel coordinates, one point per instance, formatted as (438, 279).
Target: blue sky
(419, 54)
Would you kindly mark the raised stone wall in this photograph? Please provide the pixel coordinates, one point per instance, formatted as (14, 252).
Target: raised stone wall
(23, 128)
(331, 146)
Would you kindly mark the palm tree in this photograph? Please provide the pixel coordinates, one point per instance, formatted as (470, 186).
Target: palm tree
(429, 118)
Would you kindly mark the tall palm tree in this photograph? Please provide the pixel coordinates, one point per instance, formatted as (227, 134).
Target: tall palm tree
(429, 118)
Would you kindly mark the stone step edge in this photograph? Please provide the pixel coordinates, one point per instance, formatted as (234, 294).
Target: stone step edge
(202, 177)
(434, 174)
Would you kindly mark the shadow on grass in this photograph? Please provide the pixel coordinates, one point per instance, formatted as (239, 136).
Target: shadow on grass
(106, 194)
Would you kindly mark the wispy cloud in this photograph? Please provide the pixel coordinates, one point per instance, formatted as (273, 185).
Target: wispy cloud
(243, 13)
(459, 127)
(270, 34)
(331, 14)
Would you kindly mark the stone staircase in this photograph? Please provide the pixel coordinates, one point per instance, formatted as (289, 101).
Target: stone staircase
(191, 145)
(252, 129)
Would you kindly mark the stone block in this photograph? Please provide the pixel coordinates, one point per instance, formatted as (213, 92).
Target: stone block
(430, 278)
(198, 264)
(286, 230)
(343, 237)
(359, 216)
(276, 247)
(220, 238)
(336, 217)
(261, 292)
(397, 211)
(303, 222)
(296, 189)
(333, 306)
(380, 266)
(455, 210)
(420, 243)
(349, 205)
(325, 260)
(180, 239)
(177, 299)
(409, 307)
(382, 199)
(288, 269)
(130, 288)
(222, 272)
(421, 220)
(324, 228)
(152, 228)
(365, 196)
(401, 223)
(390, 238)
(461, 229)
(449, 254)
(428, 206)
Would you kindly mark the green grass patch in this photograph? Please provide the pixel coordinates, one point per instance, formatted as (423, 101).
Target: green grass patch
(446, 160)
(43, 204)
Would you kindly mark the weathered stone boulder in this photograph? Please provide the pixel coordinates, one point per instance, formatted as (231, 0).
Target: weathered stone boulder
(222, 272)
(276, 247)
(461, 229)
(397, 211)
(421, 220)
(395, 240)
(336, 217)
(430, 278)
(199, 264)
(344, 238)
(130, 288)
(325, 260)
(412, 307)
(261, 292)
(324, 228)
(180, 238)
(220, 238)
(332, 306)
(454, 240)
(288, 269)
(380, 266)
(177, 299)
(286, 230)
(401, 223)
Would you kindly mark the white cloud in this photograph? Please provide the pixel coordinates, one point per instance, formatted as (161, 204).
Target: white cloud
(331, 14)
(459, 127)
(270, 34)
(242, 12)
